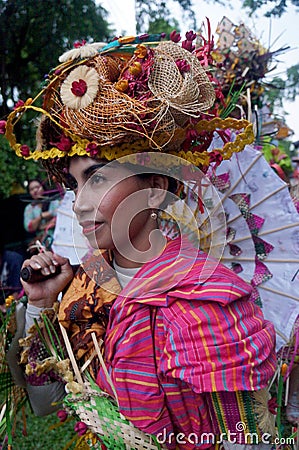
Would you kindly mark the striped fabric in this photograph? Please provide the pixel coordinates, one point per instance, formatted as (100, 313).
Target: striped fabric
(173, 337)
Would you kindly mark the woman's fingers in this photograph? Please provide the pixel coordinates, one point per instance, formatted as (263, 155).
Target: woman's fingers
(46, 262)
(49, 275)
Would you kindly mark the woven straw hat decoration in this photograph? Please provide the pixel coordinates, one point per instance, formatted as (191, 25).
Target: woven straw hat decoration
(126, 97)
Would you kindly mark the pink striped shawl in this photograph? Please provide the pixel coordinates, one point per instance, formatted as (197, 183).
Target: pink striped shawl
(166, 347)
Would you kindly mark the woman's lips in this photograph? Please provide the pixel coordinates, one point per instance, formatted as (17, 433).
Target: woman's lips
(90, 227)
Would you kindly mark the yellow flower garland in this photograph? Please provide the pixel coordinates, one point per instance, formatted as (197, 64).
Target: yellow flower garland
(110, 153)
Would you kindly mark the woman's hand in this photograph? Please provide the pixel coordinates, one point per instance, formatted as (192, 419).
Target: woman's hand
(44, 293)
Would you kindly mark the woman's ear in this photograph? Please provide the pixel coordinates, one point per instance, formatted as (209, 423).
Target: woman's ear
(158, 190)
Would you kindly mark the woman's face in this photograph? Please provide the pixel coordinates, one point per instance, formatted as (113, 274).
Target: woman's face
(111, 205)
(35, 189)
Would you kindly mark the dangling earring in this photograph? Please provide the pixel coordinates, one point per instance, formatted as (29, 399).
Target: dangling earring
(154, 215)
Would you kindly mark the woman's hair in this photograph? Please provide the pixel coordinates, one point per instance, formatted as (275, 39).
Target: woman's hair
(59, 168)
(32, 180)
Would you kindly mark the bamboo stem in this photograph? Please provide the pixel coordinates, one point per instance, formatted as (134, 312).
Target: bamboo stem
(71, 355)
(2, 412)
(88, 361)
(103, 365)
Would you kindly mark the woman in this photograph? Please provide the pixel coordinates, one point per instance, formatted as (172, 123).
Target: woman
(186, 349)
(40, 214)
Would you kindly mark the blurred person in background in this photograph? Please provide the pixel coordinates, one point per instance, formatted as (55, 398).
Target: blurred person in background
(40, 216)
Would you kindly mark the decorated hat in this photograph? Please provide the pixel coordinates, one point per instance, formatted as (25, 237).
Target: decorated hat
(133, 95)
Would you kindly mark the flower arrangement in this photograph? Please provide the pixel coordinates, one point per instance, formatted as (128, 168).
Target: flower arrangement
(241, 60)
(43, 353)
(132, 95)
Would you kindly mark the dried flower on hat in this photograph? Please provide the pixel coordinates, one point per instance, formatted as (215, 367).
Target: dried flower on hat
(82, 51)
(135, 94)
(80, 87)
(2, 126)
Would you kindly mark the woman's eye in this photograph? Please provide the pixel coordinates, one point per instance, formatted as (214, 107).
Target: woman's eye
(97, 178)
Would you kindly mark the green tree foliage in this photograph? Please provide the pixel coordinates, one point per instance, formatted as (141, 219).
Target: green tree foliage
(275, 8)
(292, 87)
(279, 90)
(282, 89)
(14, 171)
(273, 94)
(288, 89)
(34, 33)
(151, 14)
(32, 36)
(162, 26)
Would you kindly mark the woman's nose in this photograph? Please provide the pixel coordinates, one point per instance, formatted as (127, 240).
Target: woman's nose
(81, 203)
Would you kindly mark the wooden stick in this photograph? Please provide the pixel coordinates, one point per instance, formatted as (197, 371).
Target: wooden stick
(282, 335)
(242, 176)
(266, 232)
(67, 245)
(103, 365)
(233, 187)
(284, 294)
(287, 388)
(240, 258)
(251, 207)
(71, 354)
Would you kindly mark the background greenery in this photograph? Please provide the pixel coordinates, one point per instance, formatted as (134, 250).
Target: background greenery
(32, 36)
(42, 433)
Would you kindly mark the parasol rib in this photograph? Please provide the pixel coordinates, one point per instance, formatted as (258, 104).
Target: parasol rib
(65, 213)
(237, 258)
(275, 291)
(65, 244)
(231, 189)
(266, 232)
(227, 194)
(281, 335)
(251, 207)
